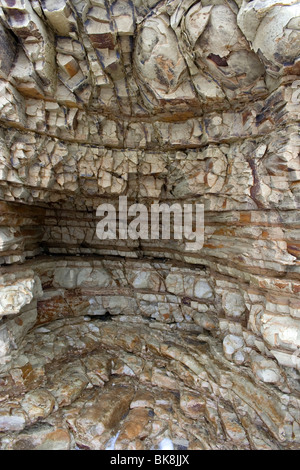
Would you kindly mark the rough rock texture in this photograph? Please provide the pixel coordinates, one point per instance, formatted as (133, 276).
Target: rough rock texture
(130, 344)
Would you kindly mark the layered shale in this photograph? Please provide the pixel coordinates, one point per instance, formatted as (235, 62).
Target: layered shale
(140, 344)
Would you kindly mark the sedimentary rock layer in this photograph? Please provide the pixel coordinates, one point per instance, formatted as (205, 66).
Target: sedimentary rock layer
(163, 102)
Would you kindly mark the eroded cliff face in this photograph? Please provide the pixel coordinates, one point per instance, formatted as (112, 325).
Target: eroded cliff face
(131, 343)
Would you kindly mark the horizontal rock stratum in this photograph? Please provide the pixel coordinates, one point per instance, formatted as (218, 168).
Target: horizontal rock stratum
(130, 344)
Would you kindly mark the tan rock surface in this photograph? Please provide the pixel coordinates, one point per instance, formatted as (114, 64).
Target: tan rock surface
(137, 344)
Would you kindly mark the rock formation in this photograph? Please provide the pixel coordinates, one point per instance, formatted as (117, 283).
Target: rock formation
(131, 343)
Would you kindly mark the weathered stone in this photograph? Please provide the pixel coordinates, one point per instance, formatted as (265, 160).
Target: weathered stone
(105, 413)
(11, 421)
(38, 404)
(68, 384)
(143, 343)
(192, 404)
(142, 399)
(232, 345)
(265, 370)
(15, 296)
(233, 428)
(134, 426)
(41, 437)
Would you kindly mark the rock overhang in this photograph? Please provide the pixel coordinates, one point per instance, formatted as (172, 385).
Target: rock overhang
(171, 102)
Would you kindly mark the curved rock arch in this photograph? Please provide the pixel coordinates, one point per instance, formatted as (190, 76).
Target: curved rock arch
(165, 101)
